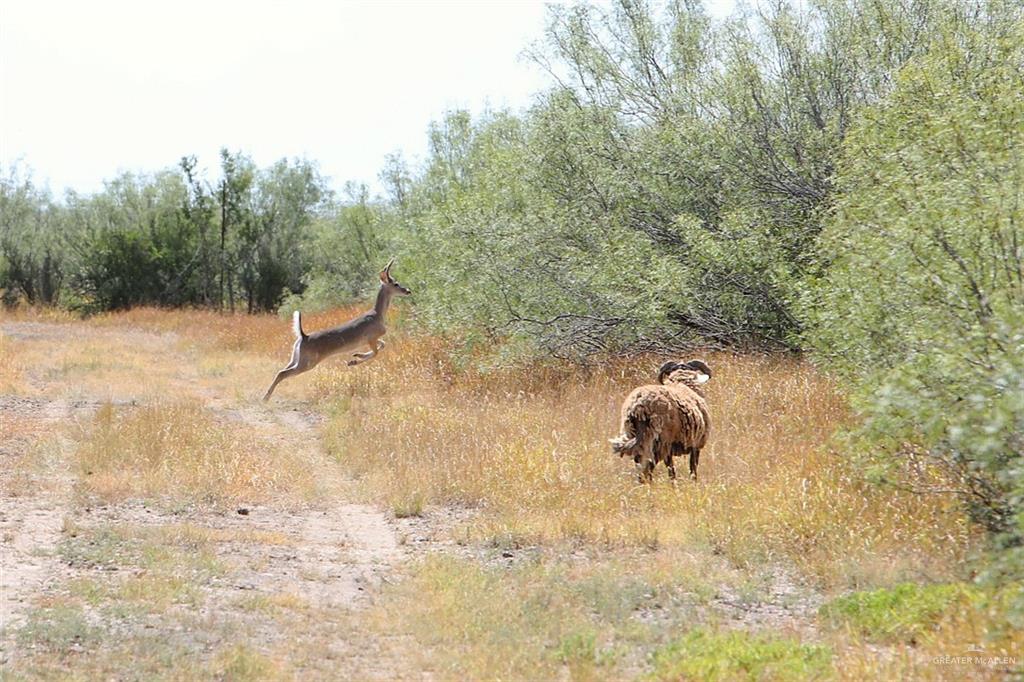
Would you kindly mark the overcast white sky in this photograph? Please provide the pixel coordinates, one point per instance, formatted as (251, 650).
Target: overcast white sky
(92, 88)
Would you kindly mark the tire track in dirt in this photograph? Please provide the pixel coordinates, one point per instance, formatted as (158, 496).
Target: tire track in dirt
(29, 534)
(334, 557)
(353, 547)
(31, 512)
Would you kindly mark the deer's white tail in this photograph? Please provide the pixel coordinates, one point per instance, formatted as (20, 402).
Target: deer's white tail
(297, 325)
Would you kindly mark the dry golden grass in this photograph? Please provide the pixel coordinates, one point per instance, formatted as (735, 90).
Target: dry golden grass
(533, 454)
(266, 335)
(27, 313)
(156, 592)
(77, 362)
(231, 354)
(21, 428)
(178, 451)
(612, 563)
(422, 426)
(174, 445)
(11, 379)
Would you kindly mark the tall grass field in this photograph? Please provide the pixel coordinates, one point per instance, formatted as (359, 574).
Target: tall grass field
(522, 548)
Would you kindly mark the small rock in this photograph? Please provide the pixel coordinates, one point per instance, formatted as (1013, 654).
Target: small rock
(507, 554)
(243, 511)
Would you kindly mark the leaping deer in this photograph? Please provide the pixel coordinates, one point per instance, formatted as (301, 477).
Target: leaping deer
(365, 330)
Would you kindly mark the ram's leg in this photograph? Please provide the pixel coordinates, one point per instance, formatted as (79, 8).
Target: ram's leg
(645, 470)
(694, 460)
(644, 452)
(671, 462)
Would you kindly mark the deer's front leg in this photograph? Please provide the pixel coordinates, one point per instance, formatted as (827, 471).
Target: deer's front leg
(363, 357)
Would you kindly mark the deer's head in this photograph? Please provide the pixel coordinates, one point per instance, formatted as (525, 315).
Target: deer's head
(389, 282)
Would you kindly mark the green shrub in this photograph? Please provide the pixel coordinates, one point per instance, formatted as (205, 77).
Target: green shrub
(903, 612)
(705, 655)
(921, 301)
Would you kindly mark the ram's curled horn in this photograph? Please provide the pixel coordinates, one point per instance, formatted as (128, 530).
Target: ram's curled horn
(667, 369)
(700, 366)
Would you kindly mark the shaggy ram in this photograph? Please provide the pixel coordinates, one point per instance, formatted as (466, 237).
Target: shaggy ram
(661, 421)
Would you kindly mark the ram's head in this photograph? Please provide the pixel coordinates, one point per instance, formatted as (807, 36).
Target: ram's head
(693, 371)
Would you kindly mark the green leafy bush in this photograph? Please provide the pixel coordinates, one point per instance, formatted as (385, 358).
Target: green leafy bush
(921, 301)
(702, 654)
(900, 613)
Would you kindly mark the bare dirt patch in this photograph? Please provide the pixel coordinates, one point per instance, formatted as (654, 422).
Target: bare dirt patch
(781, 604)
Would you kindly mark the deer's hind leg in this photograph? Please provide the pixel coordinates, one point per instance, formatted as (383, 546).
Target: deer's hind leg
(297, 365)
(374, 347)
(282, 375)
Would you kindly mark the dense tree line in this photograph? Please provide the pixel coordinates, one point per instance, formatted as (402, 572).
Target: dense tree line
(168, 239)
(838, 176)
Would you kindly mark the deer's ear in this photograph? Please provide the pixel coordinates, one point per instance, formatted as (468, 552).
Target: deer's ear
(384, 276)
